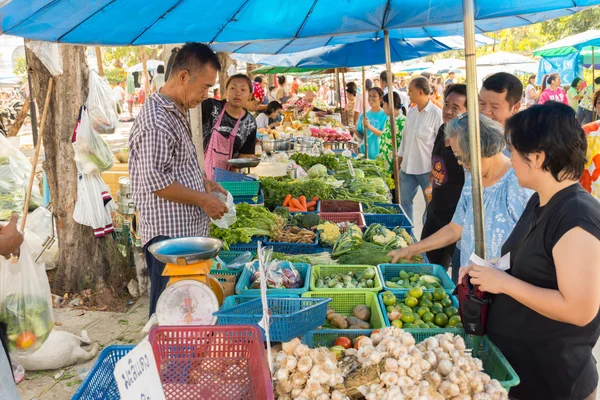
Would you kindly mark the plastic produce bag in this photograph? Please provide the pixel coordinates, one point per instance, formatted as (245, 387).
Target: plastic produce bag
(15, 170)
(101, 106)
(228, 219)
(279, 274)
(25, 303)
(49, 55)
(94, 204)
(37, 229)
(237, 263)
(92, 154)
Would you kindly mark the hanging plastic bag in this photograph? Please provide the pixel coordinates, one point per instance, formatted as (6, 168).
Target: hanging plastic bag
(101, 107)
(94, 204)
(49, 55)
(25, 303)
(15, 170)
(92, 154)
(228, 219)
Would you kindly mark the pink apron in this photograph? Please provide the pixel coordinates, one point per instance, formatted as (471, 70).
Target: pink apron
(220, 149)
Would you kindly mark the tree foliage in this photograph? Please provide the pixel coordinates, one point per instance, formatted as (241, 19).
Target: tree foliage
(128, 55)
(20, 69)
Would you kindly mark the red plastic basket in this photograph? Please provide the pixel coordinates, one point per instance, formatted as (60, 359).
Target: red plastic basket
(340, 206)
(352, 217)
(212, 362)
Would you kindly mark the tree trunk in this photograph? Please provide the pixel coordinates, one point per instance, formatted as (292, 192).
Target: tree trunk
(84, 261)
(249, 68)
(145, 76)
(14, 128)
(99, 61)
(225, 60)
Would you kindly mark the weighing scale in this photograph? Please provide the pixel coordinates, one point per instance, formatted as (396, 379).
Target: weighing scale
(192, 294)
(240, 163)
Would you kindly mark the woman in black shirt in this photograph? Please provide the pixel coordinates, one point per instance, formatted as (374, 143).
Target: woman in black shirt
(544, 312)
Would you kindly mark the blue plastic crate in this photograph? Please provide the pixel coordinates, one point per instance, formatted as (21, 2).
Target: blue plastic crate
(252, 200)
(401, 296)
(236, 299)
(244, 283)
(295, 248)
(251, 247)
(289, 317)
(389, 271)
(390, 221)
(222, 175)
(100, 383)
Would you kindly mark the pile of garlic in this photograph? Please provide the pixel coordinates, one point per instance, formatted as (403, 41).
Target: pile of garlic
(437, 368)
(306, 374)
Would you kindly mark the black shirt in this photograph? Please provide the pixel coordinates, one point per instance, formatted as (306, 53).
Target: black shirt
(245, 140)
(448, 178)
(553, 359)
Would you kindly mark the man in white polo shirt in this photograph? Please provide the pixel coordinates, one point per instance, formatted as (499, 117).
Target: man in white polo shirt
(423, 120)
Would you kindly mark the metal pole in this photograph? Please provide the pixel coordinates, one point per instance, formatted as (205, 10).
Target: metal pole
(393, 127)
(364, 110)
(473, 119)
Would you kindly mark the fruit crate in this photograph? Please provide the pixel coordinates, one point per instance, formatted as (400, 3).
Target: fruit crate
(351, 217)
(289, 317)
(252, 200)
(341, 206)
(322, 270)
(223, 175)
(401, 297)
(344, 302)
(200, 362)
(242, 188)
(494, 362)
(242, 298)
(390, 221)
(389, 271)
(243, 284)
(100, 382)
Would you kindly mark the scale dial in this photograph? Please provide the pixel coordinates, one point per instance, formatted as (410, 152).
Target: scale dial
(187, 302)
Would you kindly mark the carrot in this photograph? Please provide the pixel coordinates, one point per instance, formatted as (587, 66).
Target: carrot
(311, 204)
(292, 209)
(316, 198)
(296, 204)
(311, 208)
(303, 201)
(287, 199)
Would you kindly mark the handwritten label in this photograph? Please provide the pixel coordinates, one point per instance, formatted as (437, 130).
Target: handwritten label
(137, 376)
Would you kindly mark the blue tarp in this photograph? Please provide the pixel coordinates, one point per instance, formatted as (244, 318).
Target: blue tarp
(122, 22)
(568, 66)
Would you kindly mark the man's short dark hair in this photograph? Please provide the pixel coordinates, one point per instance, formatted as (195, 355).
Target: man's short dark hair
(281, 79)
(504, 82)
(383, 76)
(553, 129)
(421, 83)
(397, 100)
(272, 107)
(194, 57)
(457, 88)
(258, 79)
(351, 88)
(160, 69)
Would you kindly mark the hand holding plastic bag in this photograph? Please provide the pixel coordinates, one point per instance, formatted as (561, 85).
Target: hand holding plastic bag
(228, 219)
(25, 303)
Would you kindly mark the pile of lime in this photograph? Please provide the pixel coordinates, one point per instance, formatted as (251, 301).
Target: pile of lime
(420, 309)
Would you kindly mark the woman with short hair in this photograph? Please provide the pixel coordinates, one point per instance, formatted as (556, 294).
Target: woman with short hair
(271, 113)
(373, 123)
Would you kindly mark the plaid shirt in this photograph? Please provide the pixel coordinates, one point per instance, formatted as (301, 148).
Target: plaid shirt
(161, 152)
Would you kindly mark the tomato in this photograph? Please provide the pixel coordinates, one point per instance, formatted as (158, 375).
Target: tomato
(343, 341)
(375, 331)
(357, 341)
(25, 340)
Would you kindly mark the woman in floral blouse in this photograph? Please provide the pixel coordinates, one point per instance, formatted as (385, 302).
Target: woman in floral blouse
(385, 140)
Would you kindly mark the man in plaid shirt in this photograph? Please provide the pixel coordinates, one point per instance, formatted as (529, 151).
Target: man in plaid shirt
(169, 189)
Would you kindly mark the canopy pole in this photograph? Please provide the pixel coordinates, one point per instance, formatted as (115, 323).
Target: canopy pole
(473, 119)
(338, 91)
(393, 127)
(593, 82)
(348, 122)
(364, 111)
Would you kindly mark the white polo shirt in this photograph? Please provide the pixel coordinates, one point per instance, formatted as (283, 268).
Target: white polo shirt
(420, 130)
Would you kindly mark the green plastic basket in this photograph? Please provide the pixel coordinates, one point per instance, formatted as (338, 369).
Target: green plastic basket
(246, 188)
(494, 362)
(389, 271)
(324, 270)
(344, 302)
(400, 296)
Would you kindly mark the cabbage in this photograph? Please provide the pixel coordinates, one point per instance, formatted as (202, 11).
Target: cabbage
(317, 171)
(359, 173)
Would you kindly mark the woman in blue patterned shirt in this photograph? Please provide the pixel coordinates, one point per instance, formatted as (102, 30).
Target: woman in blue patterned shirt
(503, 199)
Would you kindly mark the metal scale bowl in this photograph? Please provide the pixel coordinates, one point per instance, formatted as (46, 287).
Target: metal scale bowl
(192, 294)
(240, 163)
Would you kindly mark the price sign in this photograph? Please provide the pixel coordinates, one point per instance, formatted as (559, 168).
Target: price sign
(137, 376)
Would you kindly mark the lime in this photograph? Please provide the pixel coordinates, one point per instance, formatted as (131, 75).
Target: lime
(418, 321)
(409, 317)
(441, 320)
(458, 325)
(416, 292)
(451, 311)
(411, 301)
(410, 326)
(415, 309)
(431, 325)
(389, 299)
(439, 294)
(428, 317)
(437, 308)
(423, 325)
(397, 323)
(454, 320)
(422, 310)
(389, 308)
(428, 296)
(426, 302)
(447, 302)
(414, 278)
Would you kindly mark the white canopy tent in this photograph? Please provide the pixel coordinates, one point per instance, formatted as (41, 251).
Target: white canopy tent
(501, 61)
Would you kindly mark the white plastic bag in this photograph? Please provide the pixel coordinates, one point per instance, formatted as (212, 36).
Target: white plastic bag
(15, 169)
(37, 229)
(25, 303)
(49, 55)
(93, 207)
(101, 107)
(228, 219)
(92, 154)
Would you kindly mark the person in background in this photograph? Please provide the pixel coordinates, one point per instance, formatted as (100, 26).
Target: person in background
(229, 131)
(271, 93)
(402, 86)
(591, 173)
(331, 97)
(405, 101)
(258, 97)
(500, 96)
(385, 140)
(377, 82)
(159, 79)
(451, 78)
(503, 199)
(372, 124)
(119, 96)
(358, 107)
(531, 92)
(351, 95)
(423, 120)
(447, 178)
(130, 87)
(270, 114)
(216, 94)
(543, 314)
(295, 86)
(553, 92)
(439, 87)
(282, 95)
(573, 94)
(585, 112)
(435, 98)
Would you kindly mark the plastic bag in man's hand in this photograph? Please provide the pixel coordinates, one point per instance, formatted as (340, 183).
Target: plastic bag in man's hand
(25, 303)
(228, 219)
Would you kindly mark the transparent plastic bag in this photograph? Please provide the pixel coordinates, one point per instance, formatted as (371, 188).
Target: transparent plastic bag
(49, 55)
(100, 105)
(237, 263)
(279, 274)
(25, 303)
(15, 170)
(92, 154)
(228, 219)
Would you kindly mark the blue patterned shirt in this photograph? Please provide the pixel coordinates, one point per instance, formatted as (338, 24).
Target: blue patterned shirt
(503, 204)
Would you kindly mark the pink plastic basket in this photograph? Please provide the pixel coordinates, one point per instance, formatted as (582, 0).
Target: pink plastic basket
(212, 362)
(352, 217)
(340, 206)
